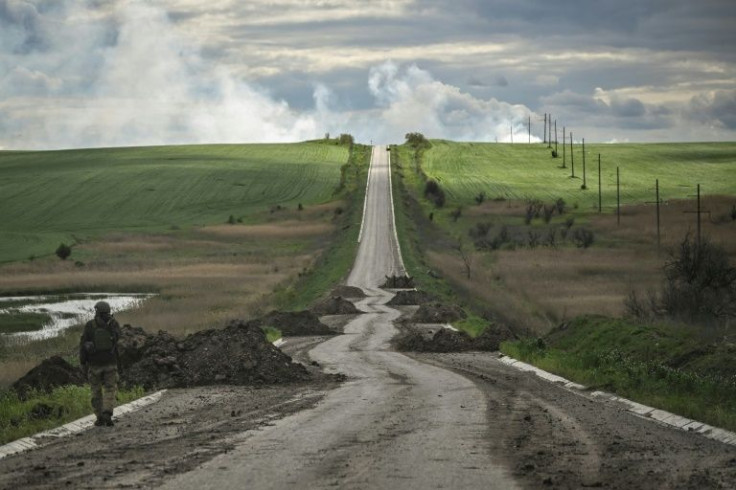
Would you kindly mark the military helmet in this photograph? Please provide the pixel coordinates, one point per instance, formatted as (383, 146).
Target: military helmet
(102, 307)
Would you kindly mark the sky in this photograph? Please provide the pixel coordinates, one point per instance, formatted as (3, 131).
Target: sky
(98, 73)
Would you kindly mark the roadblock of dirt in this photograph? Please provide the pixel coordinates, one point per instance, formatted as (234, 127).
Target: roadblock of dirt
(239, 354)
(335, 305)
(438, 313)
(294, 323)
(447, 340)
(51, 373)
(348, 292)
(411, 297)
(398, 282)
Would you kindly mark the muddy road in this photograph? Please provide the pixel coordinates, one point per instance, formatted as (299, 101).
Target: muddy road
(398, 421)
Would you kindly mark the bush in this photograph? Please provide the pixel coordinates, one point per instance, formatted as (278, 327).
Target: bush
(733, 213)
(560, 205)
(417, 141)
(434, 193)
(231, 220)
(480, 198)
(63, 251)
(548, 212)
(456, 214)
(700, 286)
(583, 237)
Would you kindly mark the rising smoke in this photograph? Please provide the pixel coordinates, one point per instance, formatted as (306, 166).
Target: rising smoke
(94, 74)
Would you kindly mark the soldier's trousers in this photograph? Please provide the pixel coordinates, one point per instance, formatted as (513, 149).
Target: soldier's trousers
(104, 383)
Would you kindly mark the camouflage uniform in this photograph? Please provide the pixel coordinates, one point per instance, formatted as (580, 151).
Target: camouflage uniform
(101, 365)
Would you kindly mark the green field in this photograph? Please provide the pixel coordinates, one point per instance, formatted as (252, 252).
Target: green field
(529, 172)
(64, 196)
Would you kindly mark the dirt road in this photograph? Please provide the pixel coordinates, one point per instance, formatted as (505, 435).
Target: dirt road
(429, 421)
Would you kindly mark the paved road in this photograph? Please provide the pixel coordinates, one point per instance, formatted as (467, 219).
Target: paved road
(398, 423)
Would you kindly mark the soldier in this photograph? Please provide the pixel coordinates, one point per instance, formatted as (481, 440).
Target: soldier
(98, 355)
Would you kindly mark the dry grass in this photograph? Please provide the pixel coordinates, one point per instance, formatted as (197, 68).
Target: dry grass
(536, 289)
(204, 277)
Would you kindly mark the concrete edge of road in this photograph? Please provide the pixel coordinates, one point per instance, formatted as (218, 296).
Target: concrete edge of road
(661, 416)
(79, 425)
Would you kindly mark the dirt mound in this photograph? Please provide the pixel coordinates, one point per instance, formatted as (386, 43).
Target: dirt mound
(237, 354)
(438, 313)
(348, 292)
(411, 297)
(447, 340)
(335, 305)
(294, 323)
(398, 282)
(50, 374)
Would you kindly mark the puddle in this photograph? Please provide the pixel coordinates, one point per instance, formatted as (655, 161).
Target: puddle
(67, 310)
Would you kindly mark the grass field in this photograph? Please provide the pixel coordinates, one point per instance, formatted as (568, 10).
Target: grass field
(205, 271)
(568, 302)
(69, 196)
(517, 172)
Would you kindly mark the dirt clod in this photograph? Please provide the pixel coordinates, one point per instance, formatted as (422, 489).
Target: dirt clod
(335, 305)
(438, 313)
(348, 292)
(447, 340)
(294, 323)
(238, 354)
(49, 374)
(398, 282)
(411, 297)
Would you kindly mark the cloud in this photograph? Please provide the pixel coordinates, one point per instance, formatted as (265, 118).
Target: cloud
(716, 108)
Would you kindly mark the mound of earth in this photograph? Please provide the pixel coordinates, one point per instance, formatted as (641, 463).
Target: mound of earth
(335, 305)
(447, 340)
(294, 323)
(411, 297)
(398, 282)
(50, 374)
(238, 354)
(348, 292)
(438, 313)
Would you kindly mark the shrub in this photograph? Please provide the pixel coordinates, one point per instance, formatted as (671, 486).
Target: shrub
(434, 193)
(231, 220)
(554, 154)
(456, 214)
(417, 141)
(548, 212)
(583, 237)
(533, 239)
(346, 139)
(551, 239)
(480, 197)
(480, 230)
(560, 205)
(700, 286)
(63, 251)
(733, 213)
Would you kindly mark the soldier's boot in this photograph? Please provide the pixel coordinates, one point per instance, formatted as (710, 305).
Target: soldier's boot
(107, 418)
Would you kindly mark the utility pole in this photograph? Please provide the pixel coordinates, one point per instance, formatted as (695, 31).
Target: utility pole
(564, 137)
(600, 189)
(584, 181)
(544, 133)
(659, 235)
(572, 157)
(555, 137)
(618, 197)
(530, 129)
(549, 129)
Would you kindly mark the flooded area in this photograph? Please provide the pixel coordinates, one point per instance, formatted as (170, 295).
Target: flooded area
(63, 311)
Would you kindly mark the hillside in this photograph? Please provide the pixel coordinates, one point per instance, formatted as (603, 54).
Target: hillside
(60, 196)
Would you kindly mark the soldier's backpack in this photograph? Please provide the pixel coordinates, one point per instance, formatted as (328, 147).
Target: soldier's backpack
(102, 339)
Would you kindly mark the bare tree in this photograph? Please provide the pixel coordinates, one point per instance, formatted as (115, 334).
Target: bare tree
(465, 254)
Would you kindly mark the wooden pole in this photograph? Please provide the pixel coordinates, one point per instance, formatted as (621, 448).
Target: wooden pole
(549, 130)
(572, 157)
(530, 129)
(618, 197)
(544, 133)
(698, 216)
(564, 137)
(600, 194)
(659, 236)
(555, 136)
(585, 186)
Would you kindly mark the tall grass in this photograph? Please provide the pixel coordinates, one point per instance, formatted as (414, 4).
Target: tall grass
(42, 411)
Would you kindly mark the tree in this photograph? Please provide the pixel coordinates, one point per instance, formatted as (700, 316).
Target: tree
(417, 141)
(63, 251)
(465, 255)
